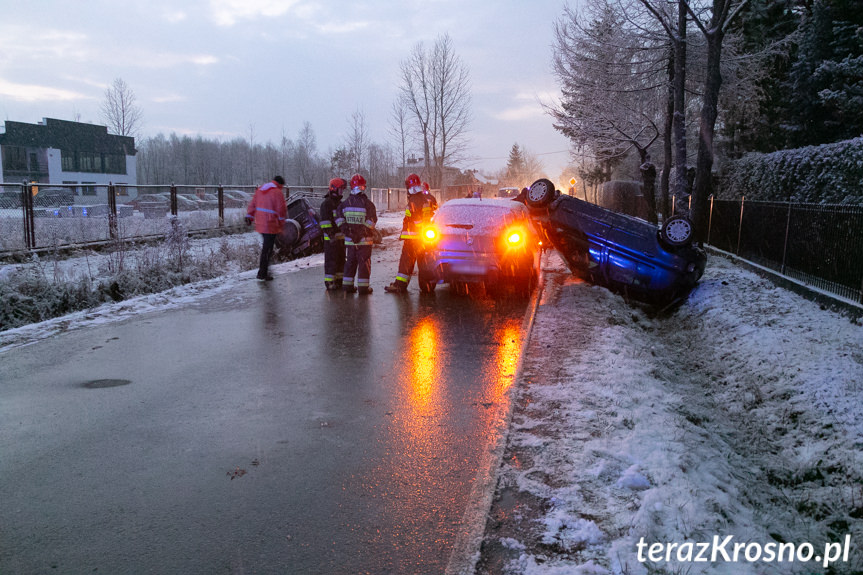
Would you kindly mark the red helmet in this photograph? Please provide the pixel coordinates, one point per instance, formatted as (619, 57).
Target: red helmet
(357, 181)
(426, 187)
(412, 180)
(338, 184)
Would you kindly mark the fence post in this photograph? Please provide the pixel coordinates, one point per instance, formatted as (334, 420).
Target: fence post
(27, 210)
(710, 220)
(740, 224)
(112, 211)
(173, 199)
(221, 195)
(785, 246)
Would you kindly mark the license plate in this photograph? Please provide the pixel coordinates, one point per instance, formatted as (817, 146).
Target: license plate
(468, 269)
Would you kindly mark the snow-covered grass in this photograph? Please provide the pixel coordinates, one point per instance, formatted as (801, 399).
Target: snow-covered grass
(49, 287)
(47, 295)
(739, 414)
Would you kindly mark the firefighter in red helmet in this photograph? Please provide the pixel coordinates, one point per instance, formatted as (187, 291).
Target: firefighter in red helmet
(334, 239)
(418, 212)
(356, 218)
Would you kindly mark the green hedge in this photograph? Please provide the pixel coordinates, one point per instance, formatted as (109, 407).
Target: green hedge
(828, 174)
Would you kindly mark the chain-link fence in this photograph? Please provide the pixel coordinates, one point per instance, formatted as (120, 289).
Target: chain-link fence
(38, 217)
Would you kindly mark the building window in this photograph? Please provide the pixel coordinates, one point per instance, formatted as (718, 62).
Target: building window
(72, 186)
(115, 164)
(93, 162)
(14, 159)
(88, 188)
(122, 189)
(67, 161)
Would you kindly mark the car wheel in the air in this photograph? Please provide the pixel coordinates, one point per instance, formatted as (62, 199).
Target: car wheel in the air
(540, 193)
(677, 231)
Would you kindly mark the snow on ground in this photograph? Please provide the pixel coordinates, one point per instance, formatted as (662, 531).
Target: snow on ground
(738, 414)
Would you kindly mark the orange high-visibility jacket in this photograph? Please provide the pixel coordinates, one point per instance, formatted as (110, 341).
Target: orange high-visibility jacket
(268, 208)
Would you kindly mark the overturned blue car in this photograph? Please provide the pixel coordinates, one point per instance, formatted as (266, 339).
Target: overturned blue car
(623, 253)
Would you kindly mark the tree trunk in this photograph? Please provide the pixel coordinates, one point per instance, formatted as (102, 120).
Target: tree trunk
(679, 121)
(664, 204)
(709, 112)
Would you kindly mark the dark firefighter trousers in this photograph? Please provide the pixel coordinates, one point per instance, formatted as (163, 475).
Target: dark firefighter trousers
(358, 262)
(411, 250)
(334, 261)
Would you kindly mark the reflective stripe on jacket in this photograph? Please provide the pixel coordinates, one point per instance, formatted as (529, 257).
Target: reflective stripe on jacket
(268, 208)
(328, 219)
(357, 217)
(419, 211)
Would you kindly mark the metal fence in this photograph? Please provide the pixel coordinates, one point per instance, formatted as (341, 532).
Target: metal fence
(820, 245)
(45, 217)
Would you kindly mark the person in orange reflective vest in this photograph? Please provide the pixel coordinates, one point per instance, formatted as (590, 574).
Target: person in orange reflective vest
(268, 210)
(418, 212)
(356, 217)
(334, 239)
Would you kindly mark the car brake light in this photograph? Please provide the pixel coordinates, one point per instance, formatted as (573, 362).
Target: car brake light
(514, 237)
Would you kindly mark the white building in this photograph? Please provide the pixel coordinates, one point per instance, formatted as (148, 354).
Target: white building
(77, 156)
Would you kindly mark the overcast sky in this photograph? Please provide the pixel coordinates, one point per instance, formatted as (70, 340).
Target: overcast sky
(228, 68)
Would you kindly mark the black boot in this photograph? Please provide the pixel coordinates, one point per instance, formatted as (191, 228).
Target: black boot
(366, 290)
(396, 287)
(350, 289)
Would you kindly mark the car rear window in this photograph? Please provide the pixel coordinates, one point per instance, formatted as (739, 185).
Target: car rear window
(480, 219)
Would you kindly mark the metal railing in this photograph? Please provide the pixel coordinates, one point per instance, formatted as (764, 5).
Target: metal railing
(819, 245)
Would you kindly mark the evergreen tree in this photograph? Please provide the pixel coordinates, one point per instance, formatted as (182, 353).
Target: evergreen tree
(825, 85)
(515, 166)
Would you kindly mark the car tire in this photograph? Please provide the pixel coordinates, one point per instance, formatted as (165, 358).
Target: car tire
(677, 231)
(426, 277)
(289, 235)
(540, 193)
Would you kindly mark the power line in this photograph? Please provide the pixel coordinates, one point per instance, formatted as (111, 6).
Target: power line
(539, 154)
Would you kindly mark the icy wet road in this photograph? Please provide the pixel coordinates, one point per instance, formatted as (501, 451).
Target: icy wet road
(274, 430)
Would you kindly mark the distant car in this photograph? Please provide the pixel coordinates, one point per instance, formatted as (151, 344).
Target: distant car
(207, 202)
(151, 205)
(616, 250)
(52, 197)
(474, 241)
(184, 202)
(10, 199)
(236, 198)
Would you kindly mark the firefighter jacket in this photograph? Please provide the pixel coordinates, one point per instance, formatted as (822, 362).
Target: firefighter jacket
(268, 208)
(419, 211)
(356, 217)
(328, 218)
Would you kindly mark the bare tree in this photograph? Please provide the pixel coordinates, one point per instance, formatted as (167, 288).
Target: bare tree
(612, 76)
(357, 143)
(720, 16)
(119, 111)
(436, 90)
(399, 129)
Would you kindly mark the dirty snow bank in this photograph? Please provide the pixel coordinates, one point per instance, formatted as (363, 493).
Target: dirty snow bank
(736, 415)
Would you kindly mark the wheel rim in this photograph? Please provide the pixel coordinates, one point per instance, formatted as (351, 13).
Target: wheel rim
(678, 231)
(537, 191)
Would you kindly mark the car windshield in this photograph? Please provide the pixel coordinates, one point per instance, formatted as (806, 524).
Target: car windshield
(478, 218)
